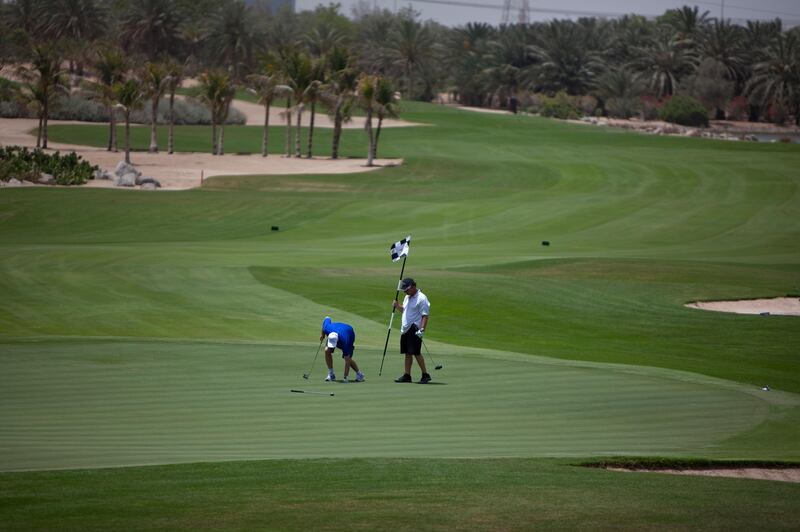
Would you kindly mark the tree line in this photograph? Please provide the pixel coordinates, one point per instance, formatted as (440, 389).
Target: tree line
(138, 51)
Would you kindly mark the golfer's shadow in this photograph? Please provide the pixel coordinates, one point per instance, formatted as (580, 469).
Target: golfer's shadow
(432, 383)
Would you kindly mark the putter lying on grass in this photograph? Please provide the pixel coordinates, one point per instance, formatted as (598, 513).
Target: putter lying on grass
(436, 366)
(307, 375)
(313, 393)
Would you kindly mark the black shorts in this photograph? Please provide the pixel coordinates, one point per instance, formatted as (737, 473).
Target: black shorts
(410, 343)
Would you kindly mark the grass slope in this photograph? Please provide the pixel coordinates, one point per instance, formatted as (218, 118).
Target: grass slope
(142, 328)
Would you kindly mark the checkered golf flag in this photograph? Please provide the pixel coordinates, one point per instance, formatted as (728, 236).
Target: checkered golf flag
(400, 249)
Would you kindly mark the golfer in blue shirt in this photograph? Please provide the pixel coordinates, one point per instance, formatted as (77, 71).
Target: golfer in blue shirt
(341, 336)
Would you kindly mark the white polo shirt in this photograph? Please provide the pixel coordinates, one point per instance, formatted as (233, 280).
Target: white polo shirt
(414, 307)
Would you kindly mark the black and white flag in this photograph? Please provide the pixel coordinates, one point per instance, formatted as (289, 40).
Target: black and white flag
(400, 249)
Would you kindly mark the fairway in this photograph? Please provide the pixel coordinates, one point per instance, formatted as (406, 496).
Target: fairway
(168, 329)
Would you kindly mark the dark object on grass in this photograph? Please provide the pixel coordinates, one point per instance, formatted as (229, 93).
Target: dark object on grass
(765, 313)
(313, 393)
(545, 242)
(275, 227)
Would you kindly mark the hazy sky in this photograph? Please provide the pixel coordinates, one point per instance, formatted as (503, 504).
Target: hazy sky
(456, 12)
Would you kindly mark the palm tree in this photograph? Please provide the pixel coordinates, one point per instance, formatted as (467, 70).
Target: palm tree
(386, 106)
(129, 96)
(266, 86)
(42, 83)
(323, 39)
(366, 100)
(150, 26)
(465, 50)
(215, 91)
(313, 95)
(339, 93)
(564, 59)
(227, 97)
(776, 79)
(110, 66)
(174, 78)
(686, 22)
(78, 21)
(154, 79)
(619, 89)
(298, 71)
(725, 42)
(663, 63)
(232, 37)
(509, 57)
(409, 48)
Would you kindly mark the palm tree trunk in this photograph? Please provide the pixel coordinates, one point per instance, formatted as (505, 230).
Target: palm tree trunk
(39, 131)
(337, 129)
(153, 131)
(44, 125)
(171, 134)
(297, 150)
(377, 136)
(128, 137)
(311, 129)
(110, 127)
(371, 150)
(265, 140)
(221, 145)
(288, 126)
(213, 133)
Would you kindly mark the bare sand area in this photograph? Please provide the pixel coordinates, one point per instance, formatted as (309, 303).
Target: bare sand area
(758, 473)
(181, 171)
(781, 306)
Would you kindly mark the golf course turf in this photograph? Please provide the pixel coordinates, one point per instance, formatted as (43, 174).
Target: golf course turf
(149, 342)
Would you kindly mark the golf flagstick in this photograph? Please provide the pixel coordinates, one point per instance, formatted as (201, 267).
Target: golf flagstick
(406, 242)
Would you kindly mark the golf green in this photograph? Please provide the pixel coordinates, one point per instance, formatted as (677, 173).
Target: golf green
(94, 403)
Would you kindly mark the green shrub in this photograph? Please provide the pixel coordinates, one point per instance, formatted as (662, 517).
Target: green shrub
(560, 106)
(686, 111)
(25, 164)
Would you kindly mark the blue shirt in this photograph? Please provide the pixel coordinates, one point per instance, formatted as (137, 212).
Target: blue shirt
(347, 336)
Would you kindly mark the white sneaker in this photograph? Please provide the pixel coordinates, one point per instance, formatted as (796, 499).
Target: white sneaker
(345, 381)
(330, 378)
(359, 377)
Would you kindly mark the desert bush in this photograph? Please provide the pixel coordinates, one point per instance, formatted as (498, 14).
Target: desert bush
(686, 111)
(624, 107)
(560, 106)
(25, 164)
(587, 104)
(651, 108)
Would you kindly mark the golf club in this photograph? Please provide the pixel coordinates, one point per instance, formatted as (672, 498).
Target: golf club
(307, 375)
(313, 393)
(436, 366)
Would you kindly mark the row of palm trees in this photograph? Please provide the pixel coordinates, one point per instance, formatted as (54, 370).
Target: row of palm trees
(684, 50)
(302, 81)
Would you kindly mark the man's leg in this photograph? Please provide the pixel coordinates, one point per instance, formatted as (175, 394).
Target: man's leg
(421, 363)
(408, 364)
(348, 362)
(329, 361)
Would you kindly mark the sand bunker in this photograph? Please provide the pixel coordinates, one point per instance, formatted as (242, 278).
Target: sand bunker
(781, 306)
(758, 473)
